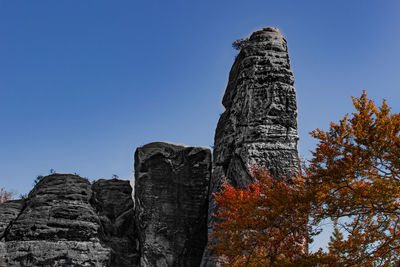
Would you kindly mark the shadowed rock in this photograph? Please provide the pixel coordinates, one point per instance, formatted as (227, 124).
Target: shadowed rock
(114, 206)
(259, 125)
(171, 193)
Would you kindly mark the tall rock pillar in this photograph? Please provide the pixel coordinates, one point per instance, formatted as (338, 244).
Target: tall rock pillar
(171, 195)
(259, 125)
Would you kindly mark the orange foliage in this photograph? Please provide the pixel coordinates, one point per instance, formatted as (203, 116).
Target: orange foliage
(262, 224)
(352, 179)
(3, 195)
(355, 176)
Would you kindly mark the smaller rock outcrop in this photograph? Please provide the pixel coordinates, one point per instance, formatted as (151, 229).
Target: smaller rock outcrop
(66, 222)
(57, 226)
(171, 199)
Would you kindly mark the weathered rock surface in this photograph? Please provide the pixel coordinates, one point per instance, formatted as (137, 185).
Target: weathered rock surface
(66, 223)
(9, 211)
(114, 206)
(259, 125)
(171, 197)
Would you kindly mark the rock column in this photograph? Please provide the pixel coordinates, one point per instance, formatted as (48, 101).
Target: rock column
(259, 125)
(171, 199)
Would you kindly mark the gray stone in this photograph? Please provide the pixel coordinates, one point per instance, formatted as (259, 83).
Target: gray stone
(56, 253)
(64, 222)
(259, 125)
(114, 206)
(171, 194)
(9, 211)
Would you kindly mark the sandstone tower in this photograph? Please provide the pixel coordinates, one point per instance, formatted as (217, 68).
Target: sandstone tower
(66, 220)
(259, 125)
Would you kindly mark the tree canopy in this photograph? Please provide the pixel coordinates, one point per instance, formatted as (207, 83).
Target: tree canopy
(352, 179)
(262, 224)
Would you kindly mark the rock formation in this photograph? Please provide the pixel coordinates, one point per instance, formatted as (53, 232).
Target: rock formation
(171, 198)
(259, 125)
(65, 221)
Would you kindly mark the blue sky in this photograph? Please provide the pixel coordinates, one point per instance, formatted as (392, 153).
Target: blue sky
(83, 83)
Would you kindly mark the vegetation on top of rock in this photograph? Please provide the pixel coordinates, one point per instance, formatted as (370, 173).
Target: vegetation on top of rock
(240, 43)
(38, 179)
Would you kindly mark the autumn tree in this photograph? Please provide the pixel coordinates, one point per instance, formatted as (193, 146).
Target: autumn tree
(263, 224)
(354, 174)
(3, 195)
(353, 179)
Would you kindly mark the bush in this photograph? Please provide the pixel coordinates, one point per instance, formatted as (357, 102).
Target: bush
(240, 43)
(38, 179)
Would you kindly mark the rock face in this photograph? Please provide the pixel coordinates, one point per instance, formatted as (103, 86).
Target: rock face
(171, 198)
(259, 125)
(9, 211)
(63, 222)
(113, 203)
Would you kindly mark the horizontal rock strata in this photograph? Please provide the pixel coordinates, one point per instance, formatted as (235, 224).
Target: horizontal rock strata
(171, 194)
(9, 211)
(63, 222)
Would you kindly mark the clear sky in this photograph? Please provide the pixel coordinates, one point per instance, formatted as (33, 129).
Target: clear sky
(83, 83)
